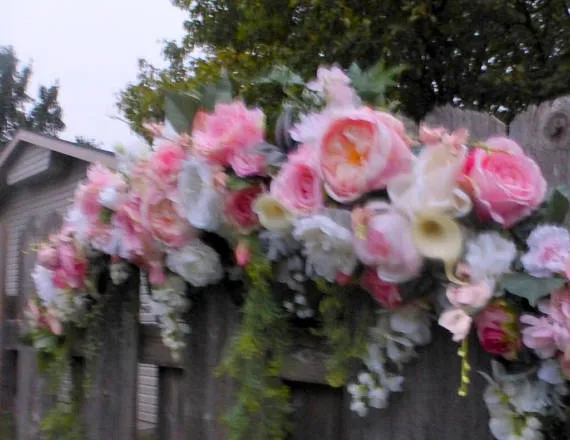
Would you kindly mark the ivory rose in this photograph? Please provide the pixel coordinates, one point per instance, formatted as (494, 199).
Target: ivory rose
(298, 185)
(505, 185)
(238, 209)
(498, 329)
(359, 152)
(231, 127)
(387, 294)
(382, 239)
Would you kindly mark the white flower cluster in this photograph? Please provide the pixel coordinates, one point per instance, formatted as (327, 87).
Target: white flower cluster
(393, 340)
(299, 306)
(168, 304)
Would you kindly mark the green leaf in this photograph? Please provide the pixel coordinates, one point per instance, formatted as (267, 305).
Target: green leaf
(46, 342)
(236, 184)
(283, 76)
(558, 205)
(529, 287)
(180, 110)
(211, 94)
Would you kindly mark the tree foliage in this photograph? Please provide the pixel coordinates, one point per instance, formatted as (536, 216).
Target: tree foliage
(494, 55)
(17, 108)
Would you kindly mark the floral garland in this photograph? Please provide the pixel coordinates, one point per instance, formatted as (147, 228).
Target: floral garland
(348, 203)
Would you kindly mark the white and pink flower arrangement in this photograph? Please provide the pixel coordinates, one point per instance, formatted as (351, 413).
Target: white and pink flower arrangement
(358, 207)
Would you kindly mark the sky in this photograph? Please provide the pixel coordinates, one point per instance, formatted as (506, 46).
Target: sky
(91, 48)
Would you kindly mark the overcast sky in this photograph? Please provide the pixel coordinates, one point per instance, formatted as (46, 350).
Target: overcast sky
(92, 48)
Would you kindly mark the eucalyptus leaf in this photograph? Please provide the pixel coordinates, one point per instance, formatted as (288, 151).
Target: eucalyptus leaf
(529, 287)
(273, 155)
(558, 206)
(283, 76)
(180, 110)
(211, 94)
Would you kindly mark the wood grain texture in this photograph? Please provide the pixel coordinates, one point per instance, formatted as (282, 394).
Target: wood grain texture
(480, 125)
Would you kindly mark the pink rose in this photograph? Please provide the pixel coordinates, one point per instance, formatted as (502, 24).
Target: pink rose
(133, 235)
(232, 127)
(387, 294)
(457, 322)
(505, 186)
(498, 329)
(360, 152)
(165, 164)
(548, 251)
(247, 162)
(238, 209)
(472, 296)
(334, 84)
(70, 274)
(298, 186)
(87, 195)
(382, 238)
(161, 218)
(47, 257)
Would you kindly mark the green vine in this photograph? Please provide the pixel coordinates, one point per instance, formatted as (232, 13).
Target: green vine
(255, 359)
(345, 328)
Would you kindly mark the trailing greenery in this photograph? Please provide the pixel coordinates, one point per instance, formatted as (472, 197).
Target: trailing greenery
(255, 359)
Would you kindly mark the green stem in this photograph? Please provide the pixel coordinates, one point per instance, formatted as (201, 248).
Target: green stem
(465, 368)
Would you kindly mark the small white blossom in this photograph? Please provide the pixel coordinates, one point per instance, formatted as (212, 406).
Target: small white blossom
(489, 255)
(197, 263)
(359, 408)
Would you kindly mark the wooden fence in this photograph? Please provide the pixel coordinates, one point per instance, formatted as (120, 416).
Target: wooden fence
(192, 397)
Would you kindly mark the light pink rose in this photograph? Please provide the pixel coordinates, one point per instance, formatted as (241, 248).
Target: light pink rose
(498, 329)
(298, 186)
(47, 257)
(505, 186)
(387, 294)
(548, 251)
(165, 163)
(238, 209)
(247, 162)
(334, 84)
(160, 217)
(382, 239)
(133, 234)
(232, 127)
(457, 322)
(360, 152)
(472, 296)
(87, 194)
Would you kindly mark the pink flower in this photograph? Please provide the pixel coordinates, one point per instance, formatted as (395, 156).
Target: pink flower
(238, 209)
(247, 162)
(472, 296)
(133, 235)
(70, 274)
(45, 319)
(548, 251)
(160, 217)
(87, 194)
(343, 279)
(242, 253)
(457, 322)
(434, 136)
(565, 363)
(335, 86)
(232, 127)
(559, 314)
(505, 186)
(165, 164)
(47, 257)
(498, 329)
(298, 186)
(387, 294)
(157, 274)
(382, 239)
(538, 335)
(360, 152)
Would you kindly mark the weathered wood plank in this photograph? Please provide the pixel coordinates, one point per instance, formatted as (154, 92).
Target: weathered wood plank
(111, 404)
(544, 132)
(170, 404)
(480, 125)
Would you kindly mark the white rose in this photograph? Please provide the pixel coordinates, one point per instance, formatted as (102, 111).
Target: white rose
(43, 279)
(197, 263)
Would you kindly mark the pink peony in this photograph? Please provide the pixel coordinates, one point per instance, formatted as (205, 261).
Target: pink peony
(498, 329)
(457, 322)
(298, 186)
(387, 294)
(165, 164)
(238, 209)
(360, 152)
(247, 162)
(548, 251)
(472, 296)
(160, 217)
(232, 127)
(382, 239)
(506, 186)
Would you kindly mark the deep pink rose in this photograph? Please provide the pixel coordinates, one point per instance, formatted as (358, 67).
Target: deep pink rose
(382, 238)
(247, 162)
(387, 294)
(360, 151)
(298, 185)
(232, 127)
(160, 217)
(505, 186)
(165, 163)
(238, 209)
(498, 329)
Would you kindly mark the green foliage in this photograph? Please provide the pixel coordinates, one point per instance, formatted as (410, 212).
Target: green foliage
(63, 423)
(373, 83)
(529, 287)
(255, 359)
(345, 329)
(17, 108)
(180, 110)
